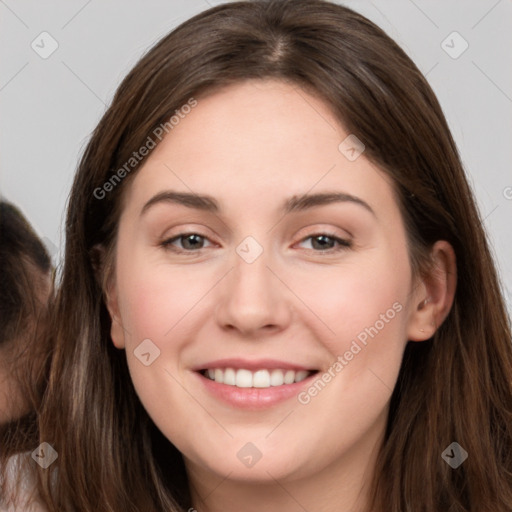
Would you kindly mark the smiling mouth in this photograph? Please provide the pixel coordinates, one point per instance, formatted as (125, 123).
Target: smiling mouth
(243, 378)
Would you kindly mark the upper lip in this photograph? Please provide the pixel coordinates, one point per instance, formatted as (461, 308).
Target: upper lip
(253, 364)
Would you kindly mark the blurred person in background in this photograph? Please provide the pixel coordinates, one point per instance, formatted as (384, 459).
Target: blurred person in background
(26, 284)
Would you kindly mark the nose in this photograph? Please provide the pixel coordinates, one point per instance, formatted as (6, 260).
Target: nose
(253, 299)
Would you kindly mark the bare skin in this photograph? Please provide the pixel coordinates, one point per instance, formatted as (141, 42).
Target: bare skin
(303, 300)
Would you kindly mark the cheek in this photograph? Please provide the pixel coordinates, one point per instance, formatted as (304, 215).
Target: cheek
(154, 301)
(351, 298)
(155, 298)
(160, 303)
(364, 307)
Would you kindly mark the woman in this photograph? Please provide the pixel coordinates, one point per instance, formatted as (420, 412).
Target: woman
(25, 288)
(338, 341)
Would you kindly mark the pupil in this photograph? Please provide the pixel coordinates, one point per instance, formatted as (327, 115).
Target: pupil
(190, 238)
(322, 239)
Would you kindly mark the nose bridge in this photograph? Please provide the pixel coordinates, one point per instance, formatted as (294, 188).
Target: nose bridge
(250, 250)
(252, 298)
(251, 280)
(251, 267)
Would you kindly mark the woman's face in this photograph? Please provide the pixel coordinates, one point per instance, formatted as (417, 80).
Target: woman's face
(266, 287)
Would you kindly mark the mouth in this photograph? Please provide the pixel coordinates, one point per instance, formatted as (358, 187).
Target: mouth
(263, 378)
(255, 389)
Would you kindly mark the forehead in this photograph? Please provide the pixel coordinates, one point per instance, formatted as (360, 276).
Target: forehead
(264, 120)
(260, 139)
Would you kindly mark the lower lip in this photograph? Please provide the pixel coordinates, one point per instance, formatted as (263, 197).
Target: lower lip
(254, 398)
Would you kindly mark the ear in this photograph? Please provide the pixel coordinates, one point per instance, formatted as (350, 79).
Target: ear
(434, 293)
(106, 278)
(116, 329)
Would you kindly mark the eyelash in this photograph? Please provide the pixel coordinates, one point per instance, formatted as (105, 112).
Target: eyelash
(343, 244)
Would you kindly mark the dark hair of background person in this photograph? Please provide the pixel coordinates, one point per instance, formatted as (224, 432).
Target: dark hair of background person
(20, 248)
(25, 287)
(455, 386)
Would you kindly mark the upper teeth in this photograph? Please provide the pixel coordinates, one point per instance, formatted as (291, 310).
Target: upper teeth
(258, 379)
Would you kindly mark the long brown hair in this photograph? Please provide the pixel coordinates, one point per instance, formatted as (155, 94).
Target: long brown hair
(454, 387)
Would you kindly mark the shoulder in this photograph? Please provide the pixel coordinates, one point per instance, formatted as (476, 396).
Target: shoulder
(21, 489)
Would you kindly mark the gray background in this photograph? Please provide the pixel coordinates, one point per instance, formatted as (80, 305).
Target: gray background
(49, 106)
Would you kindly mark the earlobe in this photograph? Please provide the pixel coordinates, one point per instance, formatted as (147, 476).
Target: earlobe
(104, 276)
(117, 334)
(116, 328)
(434, 297)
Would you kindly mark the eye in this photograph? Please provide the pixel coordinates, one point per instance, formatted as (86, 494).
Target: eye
(191, 242)
(326, 242)
(194, 242)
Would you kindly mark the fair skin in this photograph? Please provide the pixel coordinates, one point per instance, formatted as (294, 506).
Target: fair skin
(251, 147)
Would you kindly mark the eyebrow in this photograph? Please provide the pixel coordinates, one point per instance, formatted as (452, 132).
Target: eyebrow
(293, 204)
